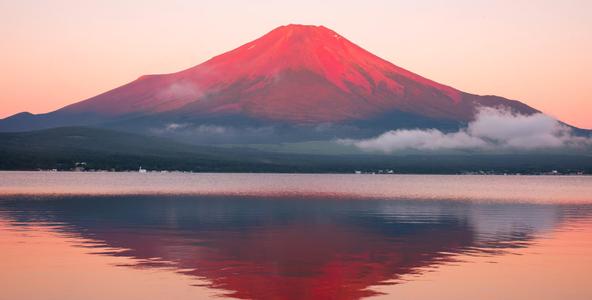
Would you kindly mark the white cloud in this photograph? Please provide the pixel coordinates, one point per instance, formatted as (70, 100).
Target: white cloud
(492, 129)
(181, 90)
(187, 127)
(175, 126)
(211, 130)
(431, 139)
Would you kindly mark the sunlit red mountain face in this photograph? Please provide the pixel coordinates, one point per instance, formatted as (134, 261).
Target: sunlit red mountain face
(296, 75)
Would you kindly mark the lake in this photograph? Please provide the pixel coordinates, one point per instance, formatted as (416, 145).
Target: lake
(67, 235)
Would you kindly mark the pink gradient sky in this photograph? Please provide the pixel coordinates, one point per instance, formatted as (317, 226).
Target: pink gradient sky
(58, 52)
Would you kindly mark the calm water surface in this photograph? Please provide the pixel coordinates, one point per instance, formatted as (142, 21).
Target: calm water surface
(263, 236)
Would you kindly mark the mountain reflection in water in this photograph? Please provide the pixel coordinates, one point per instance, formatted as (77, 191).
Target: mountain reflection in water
(290, 248)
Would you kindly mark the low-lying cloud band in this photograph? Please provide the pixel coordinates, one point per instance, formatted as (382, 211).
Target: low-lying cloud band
(492, 129)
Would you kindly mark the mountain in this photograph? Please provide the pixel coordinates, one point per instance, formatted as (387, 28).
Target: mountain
(295, 83)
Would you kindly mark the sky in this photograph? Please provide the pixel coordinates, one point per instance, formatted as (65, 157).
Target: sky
(58, 52)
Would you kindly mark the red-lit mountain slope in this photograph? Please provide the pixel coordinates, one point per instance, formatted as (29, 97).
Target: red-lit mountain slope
(295, 73)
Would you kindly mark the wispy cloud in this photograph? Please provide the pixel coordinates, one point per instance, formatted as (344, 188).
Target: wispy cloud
(195, 129)
(181, 90)
(492, 129)
(213, 133)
